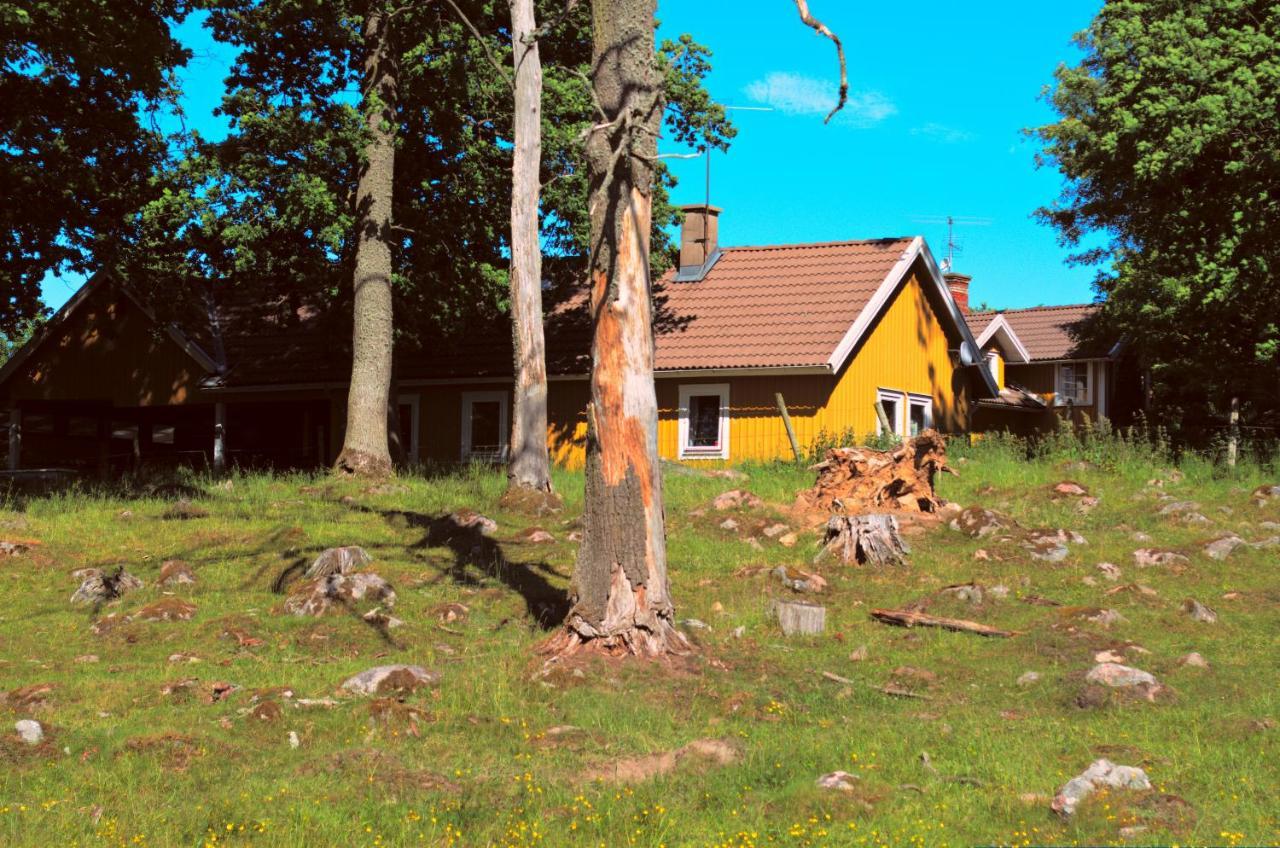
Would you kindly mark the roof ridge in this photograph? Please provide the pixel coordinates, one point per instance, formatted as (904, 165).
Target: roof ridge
(802, 244)
(1036, 308)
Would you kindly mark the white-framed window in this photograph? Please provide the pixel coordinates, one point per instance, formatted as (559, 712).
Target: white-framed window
(993, 366)
(485, 431)
(919, 414)
(1073, 384)
(704, 421)
(894, 403)
(407, 424)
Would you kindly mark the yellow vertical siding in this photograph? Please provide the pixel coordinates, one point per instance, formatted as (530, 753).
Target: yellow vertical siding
(907, 350)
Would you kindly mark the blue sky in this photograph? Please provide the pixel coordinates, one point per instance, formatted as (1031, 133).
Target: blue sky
(939, 94)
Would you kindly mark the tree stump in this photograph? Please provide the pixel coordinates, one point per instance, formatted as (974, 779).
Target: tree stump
(800, 617)
(864, 539)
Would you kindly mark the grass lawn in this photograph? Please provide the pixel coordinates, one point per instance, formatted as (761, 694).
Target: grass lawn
(470, 762)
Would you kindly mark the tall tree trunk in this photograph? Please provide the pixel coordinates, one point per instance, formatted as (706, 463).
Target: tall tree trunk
(364, 448)
(621, 595)
(529, 466)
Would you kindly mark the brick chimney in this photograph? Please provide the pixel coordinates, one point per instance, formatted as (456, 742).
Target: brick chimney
(959, 285)
(699, 236)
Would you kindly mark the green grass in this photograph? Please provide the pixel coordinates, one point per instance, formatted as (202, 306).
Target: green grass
(125, 764)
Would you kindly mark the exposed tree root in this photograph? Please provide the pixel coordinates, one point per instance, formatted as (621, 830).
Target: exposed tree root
(637, 641)
(358, 463)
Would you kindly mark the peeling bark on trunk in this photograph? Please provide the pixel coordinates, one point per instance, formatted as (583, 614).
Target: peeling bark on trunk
(529, 465)
(365, 445)
(621, 595)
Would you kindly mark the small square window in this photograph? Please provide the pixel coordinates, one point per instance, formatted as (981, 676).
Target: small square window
(893, 404)
(919, 414)
(162, 434)
(1073, 384)
(484, 426)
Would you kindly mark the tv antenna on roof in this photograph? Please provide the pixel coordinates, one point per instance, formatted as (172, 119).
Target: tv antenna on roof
(953, 221)
(704, 150)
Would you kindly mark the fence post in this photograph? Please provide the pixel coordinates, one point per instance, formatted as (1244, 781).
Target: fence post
(1233, 437)
(786, 422)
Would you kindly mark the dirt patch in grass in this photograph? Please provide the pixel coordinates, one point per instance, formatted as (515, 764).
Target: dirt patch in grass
(385, 771)
(173, 751)
(700, 753)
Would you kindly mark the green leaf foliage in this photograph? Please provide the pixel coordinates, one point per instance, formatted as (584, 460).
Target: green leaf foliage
(79, 84)
(1169, 144)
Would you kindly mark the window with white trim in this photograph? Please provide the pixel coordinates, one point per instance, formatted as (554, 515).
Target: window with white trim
(1073, 384)
(484, 426)
(407, 423)
(704, 421)
(894, 403)
(919, 414)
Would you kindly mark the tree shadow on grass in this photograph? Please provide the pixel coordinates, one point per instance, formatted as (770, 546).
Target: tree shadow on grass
(476, 556)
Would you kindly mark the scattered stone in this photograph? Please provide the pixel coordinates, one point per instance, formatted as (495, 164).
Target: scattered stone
(800, 581)
(382, 620)
(87, 658)
(1070, 488)
(1141, 537)
(967, 592)
(166, 609)
(977, 523)
(693, 624)
(10, 548)
(219, 690)
(1089, 580)
(183, 510)
(469, 519)
(1199, 612)
(31, 731)
(754, 543)
(451, 612)
(1125, 677)
(1195, 519)
(1266, 492)
(1223, 547)
(1088, 503)
(536, 536)
(179, 687)
(1106, 618)
(1193, 660)
(1100, 774)
(318, 597)
(1132, 831)
(788, 540)
(174, 572)
(739, 632)
(1179, 507)
(1144, 557)
(775, 530)
(575, 536)
(841, 781)
(1028, 678)
(294, 741)
(735, 499)
(391, 679)
(1108, 657)
(1109, 570)
(999, 590)
(98, 588)
(859, 654)
(981, 555)
(1047, 548)
(1232, 596)
(184, 658)
(341, 560)
(729, 524)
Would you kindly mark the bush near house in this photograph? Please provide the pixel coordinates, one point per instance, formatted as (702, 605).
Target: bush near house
(230, 727)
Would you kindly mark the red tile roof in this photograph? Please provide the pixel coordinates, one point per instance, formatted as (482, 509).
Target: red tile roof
(1049, 332)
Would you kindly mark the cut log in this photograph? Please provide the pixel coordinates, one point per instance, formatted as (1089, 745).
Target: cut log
(799, 618)
(864, 540)
(856, 480)
(911, 618)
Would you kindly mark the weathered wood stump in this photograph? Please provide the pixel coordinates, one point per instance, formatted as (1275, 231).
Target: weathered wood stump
(800, 617)
(864, 539)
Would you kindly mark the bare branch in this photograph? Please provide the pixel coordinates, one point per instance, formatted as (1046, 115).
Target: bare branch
(502, 69)
(821, 29)
(569, 6)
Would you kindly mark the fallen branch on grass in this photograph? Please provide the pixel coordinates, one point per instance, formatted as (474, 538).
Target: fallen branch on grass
(910, 618)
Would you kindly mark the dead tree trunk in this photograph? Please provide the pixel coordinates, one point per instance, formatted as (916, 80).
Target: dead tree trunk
(621, 595)
(864, 540)
(529, 464)
(364, 447)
